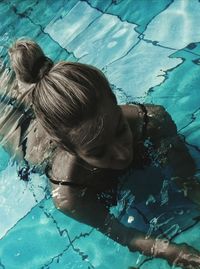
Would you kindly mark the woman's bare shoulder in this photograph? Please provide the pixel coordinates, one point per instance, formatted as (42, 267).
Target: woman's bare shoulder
(62, 165)
(65, 166)
(69, 168)
(160, 122)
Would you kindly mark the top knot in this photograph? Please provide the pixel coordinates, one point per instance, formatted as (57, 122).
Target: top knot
(29, 61)
(40, 68)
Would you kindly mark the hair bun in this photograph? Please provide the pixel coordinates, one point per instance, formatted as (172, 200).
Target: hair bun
(40, 68)
(29, 61)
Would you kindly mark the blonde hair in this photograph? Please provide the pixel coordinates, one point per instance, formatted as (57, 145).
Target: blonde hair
(29, 61)
(65, 95)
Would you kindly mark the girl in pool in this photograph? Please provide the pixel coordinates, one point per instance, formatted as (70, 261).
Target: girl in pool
(84, 142)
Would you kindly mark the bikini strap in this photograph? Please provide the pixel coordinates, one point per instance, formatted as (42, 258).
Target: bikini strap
(145, 120)
(51, 177)
(67, 183)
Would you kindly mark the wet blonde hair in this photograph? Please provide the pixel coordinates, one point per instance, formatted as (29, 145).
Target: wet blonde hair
(65, 95)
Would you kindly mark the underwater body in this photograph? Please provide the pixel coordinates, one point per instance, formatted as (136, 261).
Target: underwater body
(150, 52)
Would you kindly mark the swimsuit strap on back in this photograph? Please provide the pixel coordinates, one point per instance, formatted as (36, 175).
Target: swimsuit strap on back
(145, 120)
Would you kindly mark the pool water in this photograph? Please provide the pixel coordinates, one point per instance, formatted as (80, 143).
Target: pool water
(150, 52)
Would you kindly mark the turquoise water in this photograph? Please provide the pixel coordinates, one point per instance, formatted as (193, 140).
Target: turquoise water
(150, 52)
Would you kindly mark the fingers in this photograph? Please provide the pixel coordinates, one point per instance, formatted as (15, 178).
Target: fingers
(187, 258)
(189, 261)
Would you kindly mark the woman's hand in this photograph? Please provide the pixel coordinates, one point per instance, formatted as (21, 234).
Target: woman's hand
(183, 255)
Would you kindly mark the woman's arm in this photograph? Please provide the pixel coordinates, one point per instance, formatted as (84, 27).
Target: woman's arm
(84, 206)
